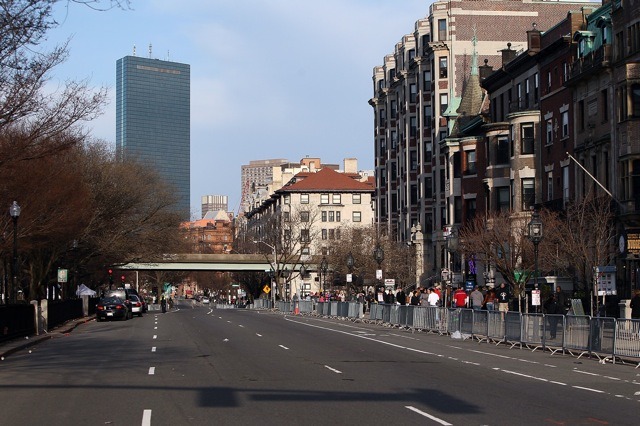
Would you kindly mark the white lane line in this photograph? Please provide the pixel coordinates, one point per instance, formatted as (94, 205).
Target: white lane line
(155, 336)
(240, 325)
(146, 418)
(152, 371)
(153, 349)
(588, 389)
(333, 369)
(515, 373)
(284, 347)
(259, 335)
(427, 415)
(155, 328)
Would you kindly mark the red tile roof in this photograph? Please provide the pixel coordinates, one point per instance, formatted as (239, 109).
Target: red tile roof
(327, 180)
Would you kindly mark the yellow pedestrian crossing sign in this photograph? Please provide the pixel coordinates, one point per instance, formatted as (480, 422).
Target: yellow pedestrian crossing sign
(266, 289)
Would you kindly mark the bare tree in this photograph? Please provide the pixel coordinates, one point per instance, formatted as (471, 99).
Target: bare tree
(579, 240)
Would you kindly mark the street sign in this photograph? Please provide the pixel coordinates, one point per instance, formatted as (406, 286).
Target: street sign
(445, 274)
(266, 289)
(535, 297)
(606, 278)
(62, 275)
(378, 274)
(349, 278)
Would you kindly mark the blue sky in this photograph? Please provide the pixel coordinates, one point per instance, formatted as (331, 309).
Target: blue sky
(269, 78)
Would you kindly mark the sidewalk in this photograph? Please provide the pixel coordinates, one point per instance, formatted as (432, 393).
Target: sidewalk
(22, 343)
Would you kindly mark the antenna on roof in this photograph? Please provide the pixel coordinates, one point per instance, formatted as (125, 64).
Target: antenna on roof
(168, 57)
(150, 50)
(134, 50)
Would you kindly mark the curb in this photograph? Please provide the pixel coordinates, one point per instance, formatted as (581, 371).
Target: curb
(40, 339)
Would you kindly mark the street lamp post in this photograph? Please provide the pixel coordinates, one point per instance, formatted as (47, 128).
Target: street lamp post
(350, 264)
(14, 211)
(452, 247)
(535, 235)
(416, 239)
(378, 256)
(303, 271)
(324, 267)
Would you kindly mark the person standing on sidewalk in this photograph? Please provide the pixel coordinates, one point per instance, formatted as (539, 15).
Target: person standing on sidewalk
(476, 298)
(503, 296)
(460, 298)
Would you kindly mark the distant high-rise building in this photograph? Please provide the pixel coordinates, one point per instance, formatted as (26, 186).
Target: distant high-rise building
(214, 203)
(153, 119)
(256, 173)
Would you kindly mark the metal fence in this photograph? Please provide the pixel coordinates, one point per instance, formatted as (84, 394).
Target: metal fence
(61, 311)
(608, 339)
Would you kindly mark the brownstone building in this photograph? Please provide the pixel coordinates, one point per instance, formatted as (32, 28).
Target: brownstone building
(212, 234)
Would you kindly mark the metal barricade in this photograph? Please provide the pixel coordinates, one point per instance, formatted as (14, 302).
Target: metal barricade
(554, 326)
(343, 309)
(375, 312)
(453, 320)
(466, 321)
(355, 310)
(333, 309)
(394, 314)
(495, 326)
(576, 335)
(386, 313)
(628, 338)
(420, 317)
(513, 332)
(602, 333)
(480, 329)
(306, 306)
(409, 315)
(532, 331)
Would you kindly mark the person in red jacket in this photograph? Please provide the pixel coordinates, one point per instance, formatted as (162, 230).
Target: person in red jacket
(460, 298)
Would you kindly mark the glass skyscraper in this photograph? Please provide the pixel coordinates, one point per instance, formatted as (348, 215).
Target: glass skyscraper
(153, 119)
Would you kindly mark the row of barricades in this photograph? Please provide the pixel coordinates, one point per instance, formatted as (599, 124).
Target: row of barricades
(604, 338)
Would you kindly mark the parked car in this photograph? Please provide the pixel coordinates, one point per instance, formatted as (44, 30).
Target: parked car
(205, 300)
(112, 307)
(136, 304)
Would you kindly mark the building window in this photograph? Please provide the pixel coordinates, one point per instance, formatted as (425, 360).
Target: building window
(304, 216)
(394, 139)
(503, 198)
(332, 216)
(304, 198)
(503, 150)
(332, 234)
(470, 166)
(427, 116)
(304, 236)
(527, 139)
(306, 251)
(549, 131)
(536, 88)
(324, 234)
(443, 67)
(444, 103)
(338, 216)
(286, 216)
(549, 186)
(413, 93)
(338, 234)
(565, 124)
(442, 29)
(413, 158)
(324, 216)
(635, 100)
(383, 118)
(336, 199)
(394, 109)
(457, 209)
(470, 207)
(605, 105)
(286, 199)
(357, 217)
(356, 198)
(413, 126)
(528, 193)
(426, 77)
(324, 198)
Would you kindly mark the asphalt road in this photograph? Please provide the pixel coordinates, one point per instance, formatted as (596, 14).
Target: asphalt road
(240, 367)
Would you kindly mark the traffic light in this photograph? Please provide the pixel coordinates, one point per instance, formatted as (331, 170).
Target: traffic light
(122, 279)
(110, 277)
